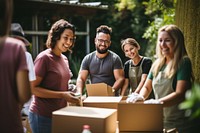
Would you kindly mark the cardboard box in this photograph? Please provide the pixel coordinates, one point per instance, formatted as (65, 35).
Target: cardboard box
(71, 120)
(102, 101)
(99, 89)
(140, 117)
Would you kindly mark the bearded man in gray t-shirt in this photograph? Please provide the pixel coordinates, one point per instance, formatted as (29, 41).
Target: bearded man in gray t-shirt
(102, 65)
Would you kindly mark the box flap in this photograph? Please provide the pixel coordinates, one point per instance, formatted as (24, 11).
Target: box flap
(102, 99)
(89, 112)
(99, 89)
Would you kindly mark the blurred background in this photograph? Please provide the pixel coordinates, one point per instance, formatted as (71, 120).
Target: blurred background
(139, 19)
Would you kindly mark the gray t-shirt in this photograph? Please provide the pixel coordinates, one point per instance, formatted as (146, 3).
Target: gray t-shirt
(101, 70)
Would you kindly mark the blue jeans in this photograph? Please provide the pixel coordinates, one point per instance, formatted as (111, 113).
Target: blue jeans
(39, 124)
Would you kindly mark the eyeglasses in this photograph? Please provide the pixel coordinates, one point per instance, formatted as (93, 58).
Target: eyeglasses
(103, 41)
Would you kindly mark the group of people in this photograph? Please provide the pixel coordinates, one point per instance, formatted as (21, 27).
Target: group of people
(108, 65)
(167, 78)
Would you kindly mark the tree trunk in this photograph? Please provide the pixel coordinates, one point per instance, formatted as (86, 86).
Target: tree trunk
(188, 19)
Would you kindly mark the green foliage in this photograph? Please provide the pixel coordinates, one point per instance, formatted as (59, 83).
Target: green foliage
(192, 102)
(74, 63)
(163, 13)
(155, 7)
(127, 19)
(126, 4)
(151, 35)
(140, 20)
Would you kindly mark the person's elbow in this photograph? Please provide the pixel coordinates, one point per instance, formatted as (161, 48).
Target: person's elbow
(23, 99)
(26, 94)
(122, 79)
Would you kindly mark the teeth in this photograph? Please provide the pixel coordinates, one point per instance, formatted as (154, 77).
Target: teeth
(164, 49)
(66, 46)
(102, 47)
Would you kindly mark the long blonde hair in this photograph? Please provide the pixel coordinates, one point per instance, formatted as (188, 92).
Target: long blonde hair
(179, 52)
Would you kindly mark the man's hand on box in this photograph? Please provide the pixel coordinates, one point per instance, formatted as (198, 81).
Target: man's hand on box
(134, 97)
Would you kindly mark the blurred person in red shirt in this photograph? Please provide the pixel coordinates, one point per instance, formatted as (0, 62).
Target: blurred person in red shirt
(14, 82)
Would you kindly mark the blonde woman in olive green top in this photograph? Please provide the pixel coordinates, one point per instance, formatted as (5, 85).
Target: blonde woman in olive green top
(170, 77)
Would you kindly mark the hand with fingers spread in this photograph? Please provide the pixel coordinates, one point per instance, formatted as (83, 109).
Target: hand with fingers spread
(134, 97)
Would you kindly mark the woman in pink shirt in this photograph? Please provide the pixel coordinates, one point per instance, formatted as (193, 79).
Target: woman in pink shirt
(50, 91)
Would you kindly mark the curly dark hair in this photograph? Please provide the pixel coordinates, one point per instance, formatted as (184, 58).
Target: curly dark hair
(55, 32)
(105, 29)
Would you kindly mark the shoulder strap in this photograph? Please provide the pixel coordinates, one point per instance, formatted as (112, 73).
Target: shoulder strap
(142, 60)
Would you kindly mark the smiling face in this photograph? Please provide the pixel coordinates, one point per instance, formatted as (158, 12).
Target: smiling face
(166, 44)
(130, 51)
(102, 42)
(65, 42)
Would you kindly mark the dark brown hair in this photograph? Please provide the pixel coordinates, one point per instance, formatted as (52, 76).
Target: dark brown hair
(6, 9)
(105, 29)
(56, 30)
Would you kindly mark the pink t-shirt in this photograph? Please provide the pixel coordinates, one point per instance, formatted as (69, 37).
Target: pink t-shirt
(12, 59)
(55, 72)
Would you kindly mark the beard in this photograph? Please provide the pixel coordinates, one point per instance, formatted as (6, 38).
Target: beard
(102, 51)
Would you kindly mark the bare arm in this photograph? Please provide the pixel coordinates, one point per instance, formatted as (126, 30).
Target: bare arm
(82, 77)
(45, 93)
(146, 89)
(177, 96)
(119, 77)
(171, 99)
(23, 85)
(125, 86)
(142, 81)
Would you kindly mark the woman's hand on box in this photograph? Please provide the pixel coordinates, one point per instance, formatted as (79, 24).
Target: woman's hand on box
(134, 97)
(71, 97)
